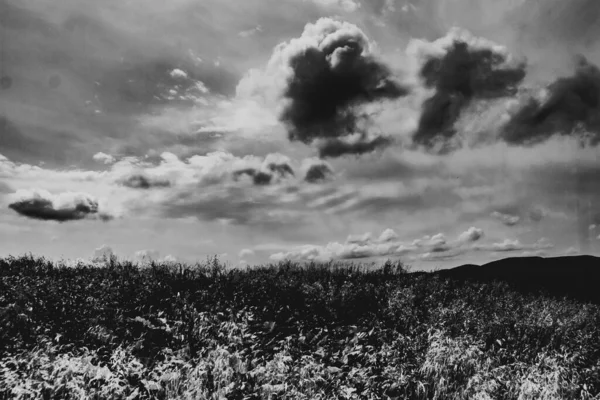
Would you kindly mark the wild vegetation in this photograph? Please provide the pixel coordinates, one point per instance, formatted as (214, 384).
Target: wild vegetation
(119, 331)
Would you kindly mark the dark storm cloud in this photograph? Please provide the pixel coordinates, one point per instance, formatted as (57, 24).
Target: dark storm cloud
(325, 78)
(42, 205)
(569, 103)
(340, 147)
(267, 173)
(258, 177)
(465, 72)
(318, 172)
(282, 169)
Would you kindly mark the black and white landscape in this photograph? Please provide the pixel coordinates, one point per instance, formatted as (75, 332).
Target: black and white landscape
(353, 199)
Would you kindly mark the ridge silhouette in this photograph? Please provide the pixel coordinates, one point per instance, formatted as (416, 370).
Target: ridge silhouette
(573, 277)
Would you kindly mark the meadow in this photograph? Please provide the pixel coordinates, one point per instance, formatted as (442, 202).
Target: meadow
(287, 331)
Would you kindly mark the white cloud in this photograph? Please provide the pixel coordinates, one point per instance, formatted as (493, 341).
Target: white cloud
(178, 73)
(471, 235)
(147, 256)
(170, 259)
(388, 236)
(104, 158)
(103, 253)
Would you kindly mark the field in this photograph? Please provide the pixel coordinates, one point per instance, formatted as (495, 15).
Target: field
(286, 332)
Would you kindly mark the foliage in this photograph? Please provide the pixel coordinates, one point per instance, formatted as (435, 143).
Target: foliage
(285, 332)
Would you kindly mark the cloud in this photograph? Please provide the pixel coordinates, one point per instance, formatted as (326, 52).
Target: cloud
(324, 78)
(388, 235)
(178, 73)
(460, 68)
(471, 235)
(356, 144)
(511, 245)
(200, 170)
(140, 181)
(385, 245)
(316, 170)
(170, 259)
(103, 253)
(569, 105)
(274, 167)
(360, 239)
(509, 220)
(147, 256)
(104, 158)
(62, 207)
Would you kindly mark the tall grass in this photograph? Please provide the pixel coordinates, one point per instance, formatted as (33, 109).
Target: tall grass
(285, 332)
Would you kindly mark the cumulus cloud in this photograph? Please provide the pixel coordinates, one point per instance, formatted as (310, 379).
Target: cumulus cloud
(104, 158)
(178, 73)
(316, 170)
(274, 167)
(146, 256)
(436, 243)
(388, 235)
(324, 78)
(569, 105)
(67, 206)
(170, 259)
(103, 253)
(471, 235)
(508, 219)
(205, 170)
(460, 68)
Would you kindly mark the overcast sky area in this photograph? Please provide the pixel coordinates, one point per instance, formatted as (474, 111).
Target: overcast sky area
(438, 132)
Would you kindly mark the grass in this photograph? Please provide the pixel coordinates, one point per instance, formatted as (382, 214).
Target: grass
(285, 332)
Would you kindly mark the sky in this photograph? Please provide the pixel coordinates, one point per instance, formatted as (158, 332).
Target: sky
(436, 132)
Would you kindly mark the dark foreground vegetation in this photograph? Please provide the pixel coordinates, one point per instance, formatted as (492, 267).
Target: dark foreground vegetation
(286, 332)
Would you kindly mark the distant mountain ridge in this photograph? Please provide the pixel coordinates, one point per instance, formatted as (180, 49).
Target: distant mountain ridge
(576, 277)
